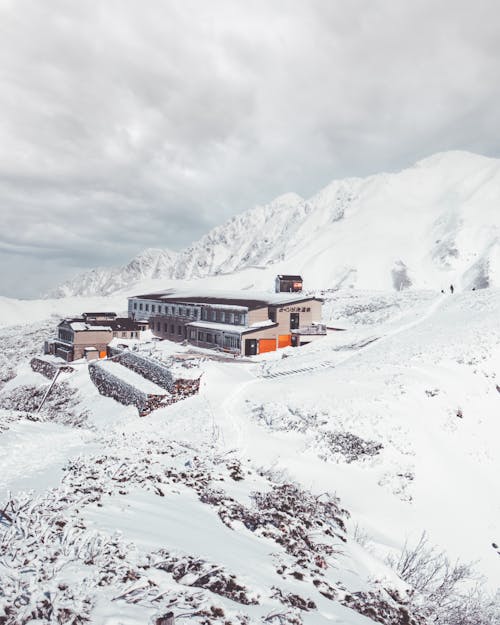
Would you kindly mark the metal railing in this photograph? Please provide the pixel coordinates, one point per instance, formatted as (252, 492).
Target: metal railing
(318, 328)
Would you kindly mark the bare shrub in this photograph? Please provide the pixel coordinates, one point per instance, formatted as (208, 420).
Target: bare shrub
(451, 592)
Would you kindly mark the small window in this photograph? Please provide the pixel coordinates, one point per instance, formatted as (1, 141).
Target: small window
(135, 305)
(237, 319)
(172, 329)
(179, 330)
(214, 315)
(153, 308)
(140, 306)
(147, 307)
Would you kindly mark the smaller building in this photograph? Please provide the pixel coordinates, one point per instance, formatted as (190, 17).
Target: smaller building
(89, 335)
(288, 284)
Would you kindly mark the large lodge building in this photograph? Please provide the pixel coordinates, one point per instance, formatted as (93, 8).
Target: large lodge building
(234, 322)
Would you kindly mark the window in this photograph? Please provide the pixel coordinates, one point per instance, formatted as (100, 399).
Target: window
(204, 314)
(140, 306)
(153, 308)
(135, 305)
(209, 337)
(214, 315)
(237, 319)
(179, 330)
(192, 334)
(231, 341)
(272, 314)
(147, 306)
(124, 334)
(172, 328)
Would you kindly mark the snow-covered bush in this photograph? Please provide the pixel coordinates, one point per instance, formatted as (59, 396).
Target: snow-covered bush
(448, 592)
(61, 406)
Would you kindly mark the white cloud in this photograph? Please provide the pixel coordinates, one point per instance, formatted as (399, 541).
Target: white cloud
(127, 124)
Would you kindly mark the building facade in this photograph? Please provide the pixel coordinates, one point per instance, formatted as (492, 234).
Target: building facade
(240, 323)
(88, 336)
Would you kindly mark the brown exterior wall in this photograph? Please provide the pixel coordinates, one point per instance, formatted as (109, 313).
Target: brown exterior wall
(305, 317)
(90, 338)
(258, 315)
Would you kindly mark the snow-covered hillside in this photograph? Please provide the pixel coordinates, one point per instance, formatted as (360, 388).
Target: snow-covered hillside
(433, 224)
(282, 493)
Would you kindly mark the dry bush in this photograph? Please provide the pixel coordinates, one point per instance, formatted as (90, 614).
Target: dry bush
(450, 592)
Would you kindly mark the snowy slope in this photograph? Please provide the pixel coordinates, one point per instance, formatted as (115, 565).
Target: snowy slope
(434, 223)
(397, 416)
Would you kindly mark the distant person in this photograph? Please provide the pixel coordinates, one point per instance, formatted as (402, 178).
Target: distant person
(451, 288)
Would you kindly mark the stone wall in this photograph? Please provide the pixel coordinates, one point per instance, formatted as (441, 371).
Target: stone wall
(147, 367)
(111, 386)
(47, 368)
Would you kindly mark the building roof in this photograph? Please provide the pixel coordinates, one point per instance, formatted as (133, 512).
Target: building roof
(231, 329)
(248, 299)
(80, 324)
(290, 277)
(125, 323)
(99, 314)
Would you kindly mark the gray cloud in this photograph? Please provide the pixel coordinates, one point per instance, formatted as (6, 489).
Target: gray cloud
(125, 124)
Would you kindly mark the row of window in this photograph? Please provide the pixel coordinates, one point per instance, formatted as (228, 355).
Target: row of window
(66, 335)
(164, 309)
(207, 314)
(222, 316)
(167, 328)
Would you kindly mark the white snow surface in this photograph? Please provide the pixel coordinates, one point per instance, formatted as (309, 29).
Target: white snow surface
(426, 226)
(416, 373)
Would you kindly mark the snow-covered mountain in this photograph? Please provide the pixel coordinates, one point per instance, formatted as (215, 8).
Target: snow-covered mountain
(151, 263)
(426, 226)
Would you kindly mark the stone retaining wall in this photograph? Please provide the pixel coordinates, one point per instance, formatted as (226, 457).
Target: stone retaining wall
(147, 367)
(110, 385)
(47, 368)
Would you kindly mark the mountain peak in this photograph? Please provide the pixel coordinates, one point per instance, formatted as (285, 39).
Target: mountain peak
(426, 226)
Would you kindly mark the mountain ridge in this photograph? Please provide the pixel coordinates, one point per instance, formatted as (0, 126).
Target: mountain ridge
(424, 226)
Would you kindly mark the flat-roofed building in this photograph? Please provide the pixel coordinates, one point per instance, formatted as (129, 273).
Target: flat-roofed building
(240, 322)
(89, 335)
(287, 283)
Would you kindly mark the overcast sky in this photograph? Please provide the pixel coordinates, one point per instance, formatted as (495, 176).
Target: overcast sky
(134, 124)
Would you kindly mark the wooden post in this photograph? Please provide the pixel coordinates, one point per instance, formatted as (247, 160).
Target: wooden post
(166, 619)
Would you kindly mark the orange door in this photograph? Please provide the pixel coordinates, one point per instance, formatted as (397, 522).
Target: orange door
(267, 345)
(284, 340)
